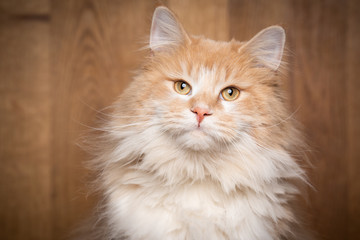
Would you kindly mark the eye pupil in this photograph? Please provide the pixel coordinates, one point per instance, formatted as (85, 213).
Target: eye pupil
(230, 92)
(183, 85)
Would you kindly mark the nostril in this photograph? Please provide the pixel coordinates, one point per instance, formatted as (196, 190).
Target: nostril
(200, 113)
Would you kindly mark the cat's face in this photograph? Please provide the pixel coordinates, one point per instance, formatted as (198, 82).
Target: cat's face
(206, 94)
(202, 95)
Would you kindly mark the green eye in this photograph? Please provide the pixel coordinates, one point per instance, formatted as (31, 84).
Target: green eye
(182, 87)
(230, 93)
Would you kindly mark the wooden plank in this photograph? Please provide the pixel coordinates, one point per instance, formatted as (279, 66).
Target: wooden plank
(94, 48)
(25, 119)
(318, 87)
(353, 127)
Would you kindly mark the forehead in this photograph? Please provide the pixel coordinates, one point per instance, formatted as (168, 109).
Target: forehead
(205, 75)
(209, 62)
(208, 54)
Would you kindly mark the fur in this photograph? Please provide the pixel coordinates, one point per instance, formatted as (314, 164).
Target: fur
(234, 177)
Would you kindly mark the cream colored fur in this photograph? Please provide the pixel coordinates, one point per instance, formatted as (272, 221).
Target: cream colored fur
(234, 177)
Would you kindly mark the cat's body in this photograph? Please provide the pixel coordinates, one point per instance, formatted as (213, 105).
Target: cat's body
(199, 147)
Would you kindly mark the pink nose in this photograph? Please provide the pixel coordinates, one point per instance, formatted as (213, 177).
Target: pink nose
(200, 114)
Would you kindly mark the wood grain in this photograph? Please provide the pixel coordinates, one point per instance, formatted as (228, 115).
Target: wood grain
(61, 61)
(25, 137)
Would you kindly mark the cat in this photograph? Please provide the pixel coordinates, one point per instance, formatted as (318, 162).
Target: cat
(200, 146)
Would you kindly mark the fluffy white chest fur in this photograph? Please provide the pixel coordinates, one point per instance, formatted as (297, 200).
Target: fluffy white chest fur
(218, 203)
(196, 212)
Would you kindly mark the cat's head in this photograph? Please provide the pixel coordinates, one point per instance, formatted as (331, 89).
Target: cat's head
(205, 93)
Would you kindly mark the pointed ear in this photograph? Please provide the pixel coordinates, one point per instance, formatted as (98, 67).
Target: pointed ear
(267, 47)
(166, 31)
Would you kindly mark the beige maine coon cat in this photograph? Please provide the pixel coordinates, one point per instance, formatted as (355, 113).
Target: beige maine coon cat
(200, 146)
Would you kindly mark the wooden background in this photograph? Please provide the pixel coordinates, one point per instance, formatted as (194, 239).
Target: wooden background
(62, 60)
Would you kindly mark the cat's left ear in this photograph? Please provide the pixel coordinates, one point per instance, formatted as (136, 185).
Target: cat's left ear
(166, 31)
(267, 47)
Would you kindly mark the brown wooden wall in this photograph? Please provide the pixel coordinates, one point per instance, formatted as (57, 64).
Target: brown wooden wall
(62, 60)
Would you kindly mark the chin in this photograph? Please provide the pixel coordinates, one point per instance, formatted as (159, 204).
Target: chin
(196, 140)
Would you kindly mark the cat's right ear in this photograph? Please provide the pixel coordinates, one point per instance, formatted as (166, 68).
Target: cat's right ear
(166, 31)
(267, 47)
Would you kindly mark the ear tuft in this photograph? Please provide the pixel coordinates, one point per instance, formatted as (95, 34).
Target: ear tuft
(166, 31)
(267, 47)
